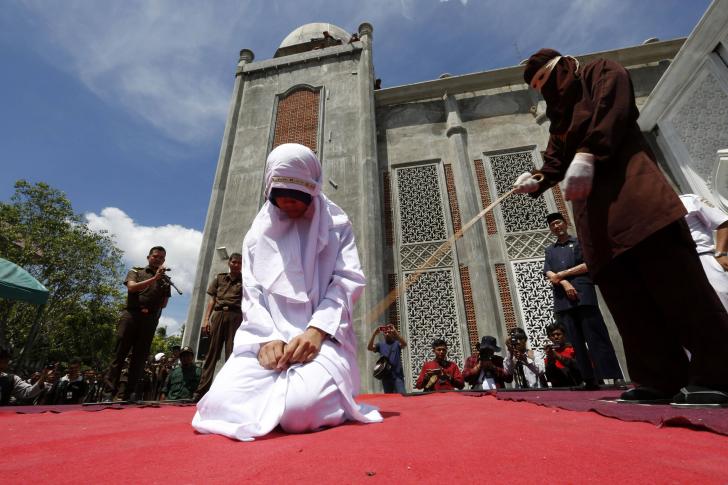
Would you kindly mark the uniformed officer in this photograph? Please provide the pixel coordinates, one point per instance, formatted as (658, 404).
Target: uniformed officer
(226, 294)
(183, 380)
(147, 293)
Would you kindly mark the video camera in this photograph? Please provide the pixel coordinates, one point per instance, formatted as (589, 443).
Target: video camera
(167, 281)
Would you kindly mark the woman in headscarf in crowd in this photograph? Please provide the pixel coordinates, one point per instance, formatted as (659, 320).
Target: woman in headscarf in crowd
(294, 359)
(630, 223)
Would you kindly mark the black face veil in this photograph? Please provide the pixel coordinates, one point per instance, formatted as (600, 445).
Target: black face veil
(562, 89)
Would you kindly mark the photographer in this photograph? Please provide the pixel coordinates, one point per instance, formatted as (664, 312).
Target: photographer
(391, 348)
(148, 290)
(440, 374)
(12, 386)
(562, 370)
(72, 387)
(484, 370)
(520, 363)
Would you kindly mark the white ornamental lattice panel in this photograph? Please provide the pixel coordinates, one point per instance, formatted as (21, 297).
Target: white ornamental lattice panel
(421, 214)
(412, 256)
(527, 245)
(520, 212)
(702, 124)
(536, 300)
(431, 313)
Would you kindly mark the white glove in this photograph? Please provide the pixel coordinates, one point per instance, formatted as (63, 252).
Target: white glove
(525, 183)
(579, 175)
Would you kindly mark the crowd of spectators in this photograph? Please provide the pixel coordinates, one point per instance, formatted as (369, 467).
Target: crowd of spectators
(167, 376)
(520, 367)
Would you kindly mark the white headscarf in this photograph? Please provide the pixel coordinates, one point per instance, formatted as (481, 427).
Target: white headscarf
(286, 249)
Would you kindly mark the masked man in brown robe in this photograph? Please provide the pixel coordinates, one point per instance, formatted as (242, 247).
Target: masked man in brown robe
(631, 226)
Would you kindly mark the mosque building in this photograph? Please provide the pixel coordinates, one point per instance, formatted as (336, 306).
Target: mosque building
(412, 164)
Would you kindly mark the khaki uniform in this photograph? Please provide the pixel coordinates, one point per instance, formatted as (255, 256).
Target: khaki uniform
(224, 322)
(136, 329)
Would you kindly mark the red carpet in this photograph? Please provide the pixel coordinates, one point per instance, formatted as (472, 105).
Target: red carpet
(440, 438)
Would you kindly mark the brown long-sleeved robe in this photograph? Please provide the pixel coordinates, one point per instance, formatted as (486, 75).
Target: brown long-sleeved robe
(630, 198)
(633, 235)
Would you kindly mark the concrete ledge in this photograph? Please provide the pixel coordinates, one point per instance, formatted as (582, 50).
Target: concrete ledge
(278, 62)
(436, 88)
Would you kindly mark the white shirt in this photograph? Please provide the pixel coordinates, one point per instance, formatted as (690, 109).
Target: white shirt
(531, 368)
(703, 218)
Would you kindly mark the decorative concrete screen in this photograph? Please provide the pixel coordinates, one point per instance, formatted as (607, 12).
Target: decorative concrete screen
(430, 305)
(535, 299)
(524, 220)
(701, 123)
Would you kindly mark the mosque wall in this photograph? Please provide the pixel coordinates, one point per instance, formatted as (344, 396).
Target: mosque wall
(502, 130)
(411, 165)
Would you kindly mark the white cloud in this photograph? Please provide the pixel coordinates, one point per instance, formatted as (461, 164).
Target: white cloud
(171, 63)
(152, 58)
(172, 325)
(182, 244)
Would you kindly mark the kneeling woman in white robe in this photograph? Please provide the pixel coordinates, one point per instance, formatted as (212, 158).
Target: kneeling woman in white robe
(294, 358)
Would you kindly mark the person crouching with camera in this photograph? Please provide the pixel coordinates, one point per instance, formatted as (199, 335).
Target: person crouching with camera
(562, 369)
(484, 370)
(440, 374)
(520, 362)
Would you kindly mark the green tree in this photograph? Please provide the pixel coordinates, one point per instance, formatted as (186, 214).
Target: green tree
(81, 269)
(163, 342)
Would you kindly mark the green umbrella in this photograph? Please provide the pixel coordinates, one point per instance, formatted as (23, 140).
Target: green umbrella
(18, 284)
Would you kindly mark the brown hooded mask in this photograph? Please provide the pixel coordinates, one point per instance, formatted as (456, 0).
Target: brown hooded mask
(561, 91)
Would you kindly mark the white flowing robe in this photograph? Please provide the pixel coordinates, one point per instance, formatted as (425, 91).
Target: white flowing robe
(245, 399)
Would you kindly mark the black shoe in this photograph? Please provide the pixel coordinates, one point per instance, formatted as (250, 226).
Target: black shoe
(696, 396)
(645, 395)
(620, 384)
(587, 386)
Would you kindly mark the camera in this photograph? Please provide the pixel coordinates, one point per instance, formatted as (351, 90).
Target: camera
(485, 354)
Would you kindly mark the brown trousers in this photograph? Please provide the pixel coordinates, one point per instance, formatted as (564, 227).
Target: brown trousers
(662, 301)
(223, 325)
(135, 332)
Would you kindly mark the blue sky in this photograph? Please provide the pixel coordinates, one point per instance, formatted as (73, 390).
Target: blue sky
(121, 104)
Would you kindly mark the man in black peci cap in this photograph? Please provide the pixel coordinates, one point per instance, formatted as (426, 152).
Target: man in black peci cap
(576, 307)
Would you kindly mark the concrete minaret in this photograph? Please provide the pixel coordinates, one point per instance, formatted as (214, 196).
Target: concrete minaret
(317, 91)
